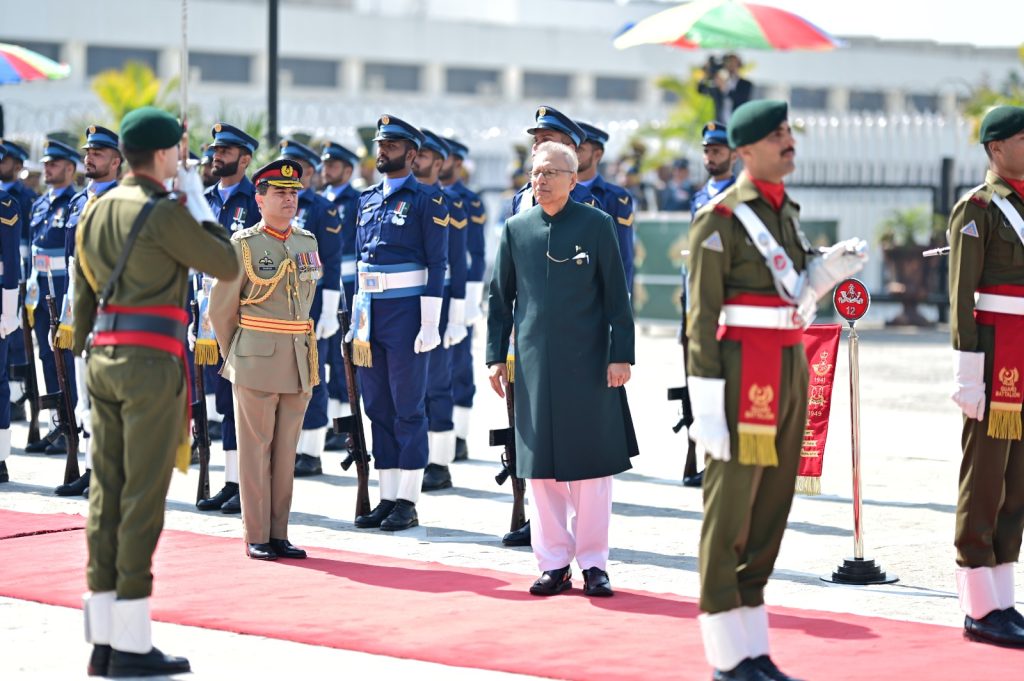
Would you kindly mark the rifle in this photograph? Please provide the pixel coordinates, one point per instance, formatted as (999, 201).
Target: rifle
(682, 393)
(26, 373)
(353, 423)
(931, 253)
(60, 402)
(506, 437)
(200, 422)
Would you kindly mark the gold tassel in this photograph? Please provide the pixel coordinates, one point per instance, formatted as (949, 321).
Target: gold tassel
(361, 355)
(206, 352)
(758, 448)
(314, 360)
(510, 367)
(808, 485)
(65, 337)
(183, 454)
(1004, 424)
(31, 310)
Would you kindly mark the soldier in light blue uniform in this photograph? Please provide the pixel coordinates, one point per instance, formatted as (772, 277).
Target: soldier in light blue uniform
(402, 241)
(337, 165)
(319, 216)
(440, 428)
(553, 126)
(10, 317)
(233, 200)
(463, 388)
(50, 215)
(611, 198)
(719, 161)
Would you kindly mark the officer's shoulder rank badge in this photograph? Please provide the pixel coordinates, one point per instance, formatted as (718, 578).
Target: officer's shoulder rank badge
(970, 229)
(713, 243)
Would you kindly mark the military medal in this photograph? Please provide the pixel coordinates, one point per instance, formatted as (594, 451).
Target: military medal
(238, 219)
(58, 219)
(400, 214)
(310, 268)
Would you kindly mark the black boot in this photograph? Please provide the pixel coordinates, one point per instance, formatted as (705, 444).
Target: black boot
(215, 502)
(375, 517)
(520, 537)
(744, 671)
(336, 442)
(461, 450)
(552, 582)
(76, 488)
(695, 480)
(997, 627)
(767, 668)
(4, 475)
(18, 411)
(402, 517)
(436, 477)
(232, 505)
(307, 466)
(59, 445)
(99, 660)
(153, 663)
(40, 445)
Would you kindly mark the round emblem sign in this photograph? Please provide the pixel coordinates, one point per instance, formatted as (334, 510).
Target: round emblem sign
(851, 299)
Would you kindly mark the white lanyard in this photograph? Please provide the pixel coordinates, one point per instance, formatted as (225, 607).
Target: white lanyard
(1016, 221)
(788, 282)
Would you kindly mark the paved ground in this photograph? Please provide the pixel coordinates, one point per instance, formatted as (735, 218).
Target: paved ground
(910, 435)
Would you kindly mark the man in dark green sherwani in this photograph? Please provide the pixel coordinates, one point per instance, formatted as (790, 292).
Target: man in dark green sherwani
(558, 283)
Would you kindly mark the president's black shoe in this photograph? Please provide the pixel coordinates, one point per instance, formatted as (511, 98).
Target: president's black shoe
(76, 488)
(307, 466)
(1015, 616)
(153, 663)
(336, 442)
(215, 502)
(436, 477)
(58, 445)
(520, 537)
(695, 480)
(402, 517)
(285, 549)
(4, 475)
(260, 551)
(232, 505)
(998, 628)
(596, 583)
(461, 450)
(215, 430)
(552, 582)
(18, 411)
(40, 445)
(746, 670)
(768, 668)
(375, 517)
(99, 661)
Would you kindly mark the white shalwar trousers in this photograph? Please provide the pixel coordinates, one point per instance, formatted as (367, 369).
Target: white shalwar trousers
(570, 519)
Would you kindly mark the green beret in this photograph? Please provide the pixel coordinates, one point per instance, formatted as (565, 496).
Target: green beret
(150, 128)
(1002, 122)
(753, 121)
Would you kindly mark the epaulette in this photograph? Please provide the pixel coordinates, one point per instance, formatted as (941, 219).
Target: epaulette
(980, 196)
(303, 232)
(246, 233)
(720, 209)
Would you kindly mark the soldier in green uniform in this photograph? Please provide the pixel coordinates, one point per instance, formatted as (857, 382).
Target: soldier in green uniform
(753, 267)
(268, 342)
(986, 295)
(130, 318)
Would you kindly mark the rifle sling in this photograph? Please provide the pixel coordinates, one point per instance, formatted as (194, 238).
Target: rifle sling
(129, 243)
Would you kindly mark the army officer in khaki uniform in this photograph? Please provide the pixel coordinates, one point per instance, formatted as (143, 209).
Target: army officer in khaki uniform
(262, 324)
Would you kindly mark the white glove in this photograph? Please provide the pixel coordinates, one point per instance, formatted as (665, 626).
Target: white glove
(328, 324)
(455, 332)
(10, 319)
(474, 295)
(191, 185)
(709, 431)
(430, 317)
(968, 377)
(191, 337)
(843, 260)
(350, 336)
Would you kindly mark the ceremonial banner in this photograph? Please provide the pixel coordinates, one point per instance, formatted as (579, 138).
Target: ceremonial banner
(821, 343)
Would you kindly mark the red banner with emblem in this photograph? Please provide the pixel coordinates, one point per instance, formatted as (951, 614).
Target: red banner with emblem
(821, 344)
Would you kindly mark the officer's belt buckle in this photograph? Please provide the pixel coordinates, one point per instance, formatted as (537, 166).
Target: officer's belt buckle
(372, 282)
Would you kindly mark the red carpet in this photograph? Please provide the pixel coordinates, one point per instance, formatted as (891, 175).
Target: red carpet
(15, 524)
(477, 618)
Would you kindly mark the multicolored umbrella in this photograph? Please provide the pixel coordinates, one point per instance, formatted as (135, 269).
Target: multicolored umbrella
(726, 25)
(18, 65)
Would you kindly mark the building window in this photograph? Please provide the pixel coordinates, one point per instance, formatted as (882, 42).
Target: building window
(310, 72)
(472, 81)
(216, 67)
(867, 100)
(923, 103)
(617, 89)
(99, 59)
(48, 50)
(814, 99)
(542, 85)
(397, 77)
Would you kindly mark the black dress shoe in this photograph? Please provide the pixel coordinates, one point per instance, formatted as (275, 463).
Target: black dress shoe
(76, 488)
(596, 583)
(520, 537)
(375, 517)
(306, 466)
(85, 493)
(153, 663)
(997, 627)
(768, 668)
(215, 502)
(18, 411)
(215, 430)
(285, 549)
(336, 442)
(232, 505)
(402, 517)
(59, 445)
(695, 480)
(461, 450)
(40, 445)
(99, 661)
(744, 671)
(4, 475)
(436, 477)
(1015, 616)
(260, 551)
(552, 582)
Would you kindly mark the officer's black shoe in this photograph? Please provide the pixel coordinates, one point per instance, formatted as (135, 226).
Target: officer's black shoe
(232, 505)
(153, 663)
(260, 551)
(596, 583)
(215, 430)
(40, 445)
(99, 661)
(436, 477)
(285, 549)
(76, 488)
(744, 671)
(1015, 616)
(552, 582)
(695, 480)
(4, 475)
(997, 627)
(768, 668)
(375, 517)
(520, 537)
(59, 445)
(215, 502)
(336, 442)
(402, 517)
(18, 411)
(306, 466)
(461, 450)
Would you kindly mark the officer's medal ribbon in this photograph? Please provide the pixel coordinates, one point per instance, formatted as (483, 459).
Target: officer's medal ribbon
(66, 326)
(1004, 418)
(310, 267)
(361, 355)
(400, 213)
(238, 219)
(206, 343)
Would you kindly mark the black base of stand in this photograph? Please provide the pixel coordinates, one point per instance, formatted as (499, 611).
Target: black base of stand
(860, 571)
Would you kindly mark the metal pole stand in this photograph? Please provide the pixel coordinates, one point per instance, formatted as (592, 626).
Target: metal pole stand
(851, 300)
